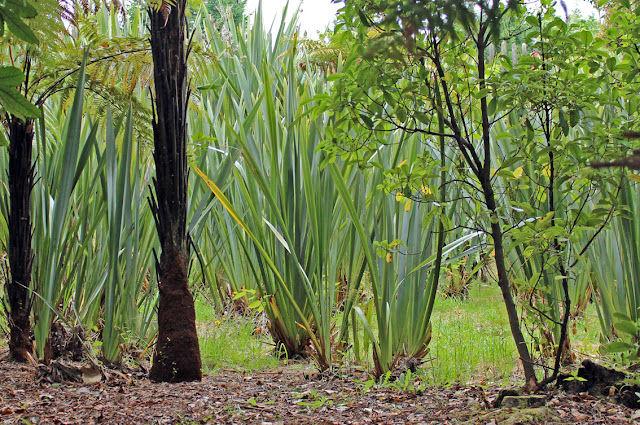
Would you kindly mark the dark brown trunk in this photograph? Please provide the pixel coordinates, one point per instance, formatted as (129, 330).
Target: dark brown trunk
(21, 177)
(177, 354)
(531, 382)
(482, 170)
(563, 344)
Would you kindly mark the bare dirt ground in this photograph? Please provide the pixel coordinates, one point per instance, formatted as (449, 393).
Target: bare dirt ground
(280, 397)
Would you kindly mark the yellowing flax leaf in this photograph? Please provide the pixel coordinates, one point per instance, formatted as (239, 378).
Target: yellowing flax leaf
(223, 199)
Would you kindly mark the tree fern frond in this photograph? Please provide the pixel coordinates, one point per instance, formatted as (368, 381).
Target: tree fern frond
(325, 53)
(49, 20)
(163, 6)
(156, 5)
(119, 69)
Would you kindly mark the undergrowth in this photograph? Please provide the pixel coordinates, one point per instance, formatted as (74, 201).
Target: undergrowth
(470, 339)
(470, 343)
(232, 342)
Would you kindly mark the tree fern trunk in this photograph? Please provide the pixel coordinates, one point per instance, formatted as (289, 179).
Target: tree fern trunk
(21, 177)
(177, 354)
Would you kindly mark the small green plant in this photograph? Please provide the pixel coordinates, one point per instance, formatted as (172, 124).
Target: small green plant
(628, 346)
(254, 301)
(233, 410)
(317, 403)
(574, 377)
(311, 394)
(314, 400)
(406, 382)
(458, 276)
(368, 385)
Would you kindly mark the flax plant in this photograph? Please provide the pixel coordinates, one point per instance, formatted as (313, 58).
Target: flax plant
(281, 196)
(60, 166)
(129, 241)
(96, 269)
(613, 258)
(407, 230)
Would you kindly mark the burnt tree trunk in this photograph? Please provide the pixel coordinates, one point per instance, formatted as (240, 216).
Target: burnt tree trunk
(21, 178)
(177, 353)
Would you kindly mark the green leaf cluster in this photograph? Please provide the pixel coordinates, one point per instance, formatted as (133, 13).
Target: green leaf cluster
(12, 100)
(628, 345)
(13, 13)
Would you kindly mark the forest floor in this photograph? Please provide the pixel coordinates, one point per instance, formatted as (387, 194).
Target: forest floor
(285, 396)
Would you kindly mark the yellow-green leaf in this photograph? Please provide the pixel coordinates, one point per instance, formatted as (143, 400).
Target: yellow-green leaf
(634, 177)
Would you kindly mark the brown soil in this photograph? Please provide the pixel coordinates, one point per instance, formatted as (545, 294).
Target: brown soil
(598, 380)
(285, 397)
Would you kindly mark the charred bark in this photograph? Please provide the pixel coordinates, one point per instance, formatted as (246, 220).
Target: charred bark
(177, 353)
(21, 179)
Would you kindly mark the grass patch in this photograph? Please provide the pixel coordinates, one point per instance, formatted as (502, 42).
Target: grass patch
(230, 342)
(585, 334)
(471, 339)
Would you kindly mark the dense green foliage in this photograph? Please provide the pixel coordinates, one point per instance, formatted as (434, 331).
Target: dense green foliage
(339, 186)
(522, 128)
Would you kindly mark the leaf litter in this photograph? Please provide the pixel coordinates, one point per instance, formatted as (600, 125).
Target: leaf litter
(285, 396)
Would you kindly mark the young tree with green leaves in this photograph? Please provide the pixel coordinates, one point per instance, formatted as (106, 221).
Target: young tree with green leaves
(177, 353)
(416, 73)
(555, 129)
(430, 69)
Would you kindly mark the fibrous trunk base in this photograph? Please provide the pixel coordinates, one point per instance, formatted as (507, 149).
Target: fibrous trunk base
(177, 355)
(20, 344)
